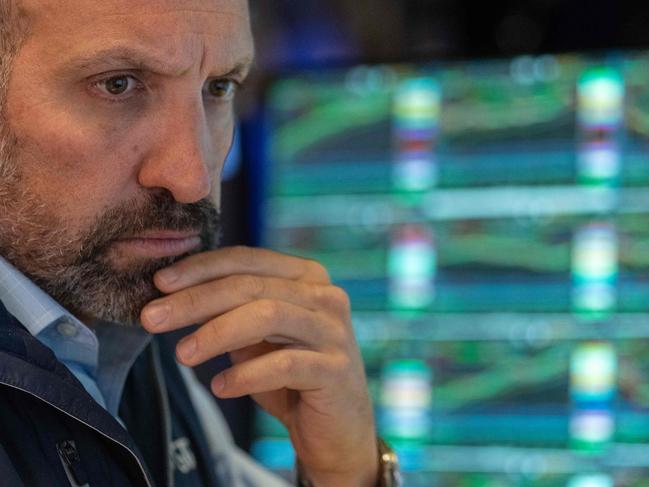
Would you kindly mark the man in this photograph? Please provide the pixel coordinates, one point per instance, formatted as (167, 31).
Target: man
(116, 117)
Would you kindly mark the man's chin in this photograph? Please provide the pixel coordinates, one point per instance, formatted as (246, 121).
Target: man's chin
(115, 285)
(113, 289)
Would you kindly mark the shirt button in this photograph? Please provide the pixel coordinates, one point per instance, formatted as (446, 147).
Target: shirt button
(67, 329)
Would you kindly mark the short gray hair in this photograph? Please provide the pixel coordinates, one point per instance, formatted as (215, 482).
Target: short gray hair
(13, 31)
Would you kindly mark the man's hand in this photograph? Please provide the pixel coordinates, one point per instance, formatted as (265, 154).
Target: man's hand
(289, 334)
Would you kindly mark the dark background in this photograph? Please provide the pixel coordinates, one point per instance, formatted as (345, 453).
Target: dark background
(313, 33)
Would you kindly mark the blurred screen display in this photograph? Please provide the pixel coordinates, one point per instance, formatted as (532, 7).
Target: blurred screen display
(490, 222)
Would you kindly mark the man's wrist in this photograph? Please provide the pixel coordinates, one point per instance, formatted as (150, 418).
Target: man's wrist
(386, 475)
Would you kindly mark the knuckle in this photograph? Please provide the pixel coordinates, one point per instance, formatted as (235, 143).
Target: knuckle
(320, 294)
(192, 300)
(285, 364)
(269, 310)
(333, 298)
(249, 286)
(317, 270)
(340, 298)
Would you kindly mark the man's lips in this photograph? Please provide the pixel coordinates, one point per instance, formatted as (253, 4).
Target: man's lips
(159, 243)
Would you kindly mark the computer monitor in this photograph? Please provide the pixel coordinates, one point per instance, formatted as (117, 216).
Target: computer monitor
(490, 222)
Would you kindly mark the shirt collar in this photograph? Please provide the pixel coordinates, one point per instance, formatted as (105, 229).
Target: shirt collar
(16, 290)
(73, 343)
(47, 320)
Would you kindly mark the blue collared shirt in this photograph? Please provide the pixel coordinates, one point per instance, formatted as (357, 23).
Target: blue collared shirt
(100, 361)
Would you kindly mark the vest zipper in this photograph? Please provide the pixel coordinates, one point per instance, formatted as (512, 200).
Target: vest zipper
(142, 471)
(163, 396)
(69, 456)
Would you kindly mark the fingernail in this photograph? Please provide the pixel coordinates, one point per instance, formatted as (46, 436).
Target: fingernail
(187, 348)
(157, 314)
(218, 384)
(169, 276)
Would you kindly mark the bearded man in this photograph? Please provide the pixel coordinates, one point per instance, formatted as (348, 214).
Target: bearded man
(115, 119)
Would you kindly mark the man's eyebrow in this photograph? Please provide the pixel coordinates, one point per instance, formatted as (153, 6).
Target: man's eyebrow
(241, 69)
(129, 58)
(122, 56)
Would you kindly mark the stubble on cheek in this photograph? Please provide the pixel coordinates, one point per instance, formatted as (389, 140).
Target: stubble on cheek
(18, 228)
(34, 239)
(8, 165)
(84, 272)
(76, 262)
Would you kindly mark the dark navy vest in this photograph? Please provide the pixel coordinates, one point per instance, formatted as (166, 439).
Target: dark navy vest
(52, 433)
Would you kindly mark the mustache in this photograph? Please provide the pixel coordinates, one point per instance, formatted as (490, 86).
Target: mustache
(157, 211)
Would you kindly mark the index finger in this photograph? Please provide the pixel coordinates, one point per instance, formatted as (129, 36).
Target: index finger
(216, 264)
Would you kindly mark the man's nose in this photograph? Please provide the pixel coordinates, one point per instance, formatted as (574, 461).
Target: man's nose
(180, 158)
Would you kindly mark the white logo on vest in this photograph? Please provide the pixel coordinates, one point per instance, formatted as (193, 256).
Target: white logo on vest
(182, 455)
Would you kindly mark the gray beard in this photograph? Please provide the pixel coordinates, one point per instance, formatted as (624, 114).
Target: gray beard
(77, 270)
(94, 289)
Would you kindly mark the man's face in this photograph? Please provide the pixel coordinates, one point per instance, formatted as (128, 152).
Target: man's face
(118, 120)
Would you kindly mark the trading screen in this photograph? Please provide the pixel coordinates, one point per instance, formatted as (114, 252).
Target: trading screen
(490, 222)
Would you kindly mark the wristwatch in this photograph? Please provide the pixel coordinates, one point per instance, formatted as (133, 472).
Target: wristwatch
(389, 472)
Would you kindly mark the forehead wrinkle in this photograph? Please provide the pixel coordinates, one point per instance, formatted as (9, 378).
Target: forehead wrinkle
(240, 66)
(236, 9)
(123, 56)
(237, 64)
(126, 56)
(202, 46)
(186, 10)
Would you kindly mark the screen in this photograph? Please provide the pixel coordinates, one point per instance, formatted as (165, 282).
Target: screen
(490, 222)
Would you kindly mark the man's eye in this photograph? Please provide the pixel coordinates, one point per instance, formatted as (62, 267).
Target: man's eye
(118, 85)
(223, 89)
